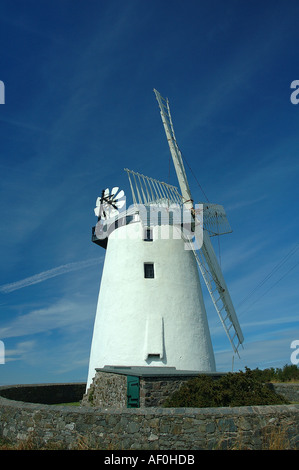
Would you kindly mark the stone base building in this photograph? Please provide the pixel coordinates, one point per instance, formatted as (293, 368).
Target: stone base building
(136, 387)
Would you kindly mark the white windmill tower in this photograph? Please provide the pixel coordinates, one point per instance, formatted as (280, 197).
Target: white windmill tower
(150, 308)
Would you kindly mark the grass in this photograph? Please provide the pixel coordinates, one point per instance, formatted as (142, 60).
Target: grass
(74, 403)
(275, 439)
(32, 444)
(272, 438)
(28, 444)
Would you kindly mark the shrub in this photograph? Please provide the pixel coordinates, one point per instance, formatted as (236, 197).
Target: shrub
(286, 374)
(232, 389)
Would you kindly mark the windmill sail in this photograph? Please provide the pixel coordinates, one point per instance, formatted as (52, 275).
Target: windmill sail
(213, 277)
(147, 190)
(174, 149)
(214, 219)
(206, 257)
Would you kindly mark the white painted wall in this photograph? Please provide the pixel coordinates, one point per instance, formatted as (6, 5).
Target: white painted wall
(136, 316)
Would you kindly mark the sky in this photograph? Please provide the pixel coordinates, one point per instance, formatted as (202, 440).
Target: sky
(80, 107)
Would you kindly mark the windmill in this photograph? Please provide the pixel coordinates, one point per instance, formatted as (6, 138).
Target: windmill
(150, 310)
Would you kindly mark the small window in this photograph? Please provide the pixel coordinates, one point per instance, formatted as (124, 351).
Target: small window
(149, 270)
(148, 234)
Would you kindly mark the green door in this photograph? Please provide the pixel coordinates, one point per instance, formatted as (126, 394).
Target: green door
(132, 391)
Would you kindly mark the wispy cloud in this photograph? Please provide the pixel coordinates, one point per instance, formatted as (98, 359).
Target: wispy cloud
(45, 275)
(265, 351)
(240, 204)
(245, 249)
(19, 351)
(64, 315)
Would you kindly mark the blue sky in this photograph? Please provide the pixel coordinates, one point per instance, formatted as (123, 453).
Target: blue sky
(79, 108)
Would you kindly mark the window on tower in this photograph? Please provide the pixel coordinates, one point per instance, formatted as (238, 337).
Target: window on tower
(149, 270)
(148, 234)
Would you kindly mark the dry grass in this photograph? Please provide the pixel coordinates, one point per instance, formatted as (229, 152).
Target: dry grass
(275, 438)
(28, 444)
(272, 438)
(32, 443)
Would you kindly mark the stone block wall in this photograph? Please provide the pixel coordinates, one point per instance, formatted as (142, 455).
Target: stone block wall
(44, 393)
(107, 390)
(154, 390)
(146, 428)
(289, 390)
(110, 389)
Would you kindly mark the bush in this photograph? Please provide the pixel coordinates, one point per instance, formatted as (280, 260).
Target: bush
(233, 389)
(286, 374)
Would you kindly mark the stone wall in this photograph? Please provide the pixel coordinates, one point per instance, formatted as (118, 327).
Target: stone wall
(110, 388)
(154, 390)
(289, 390)
(107, 390)
(149, 428)
(44, 393)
